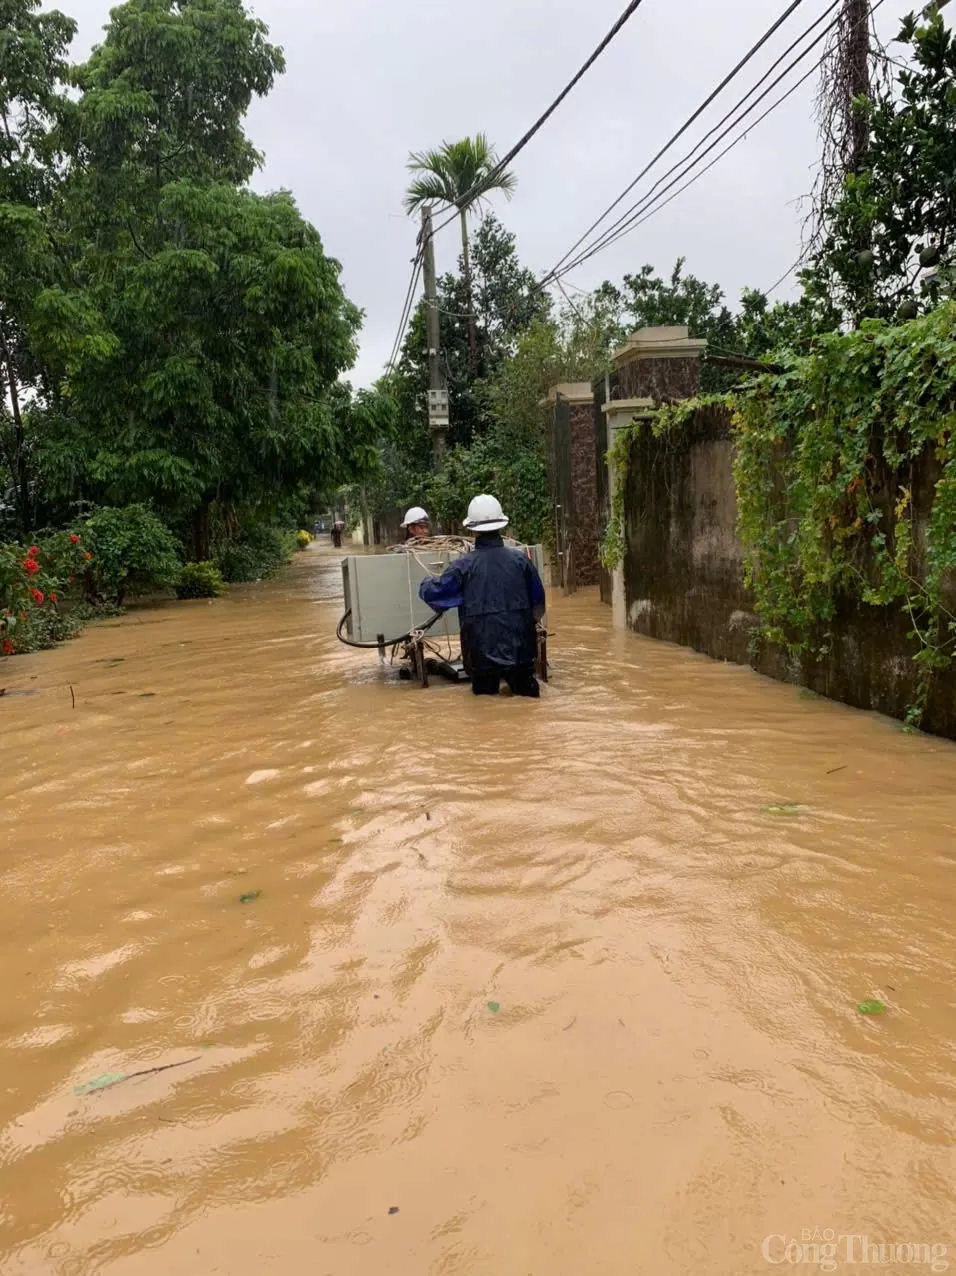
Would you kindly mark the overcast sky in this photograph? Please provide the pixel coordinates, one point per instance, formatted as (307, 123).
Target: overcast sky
(369, 80)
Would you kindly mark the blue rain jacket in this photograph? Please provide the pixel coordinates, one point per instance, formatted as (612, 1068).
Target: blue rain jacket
(499, 596)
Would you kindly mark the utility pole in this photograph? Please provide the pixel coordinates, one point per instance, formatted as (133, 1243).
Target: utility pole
(437, 392)
(856, 21)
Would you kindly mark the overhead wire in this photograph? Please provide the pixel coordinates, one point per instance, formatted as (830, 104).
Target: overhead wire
(608, 235)
(688, 123)
(650, 204)
(406, 308)
(475, 191)
(768, 292)
(649, 207)
(502, 164)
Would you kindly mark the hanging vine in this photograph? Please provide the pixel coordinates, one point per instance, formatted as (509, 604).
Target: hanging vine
(826, 456)
(845, 470)
(666, 420)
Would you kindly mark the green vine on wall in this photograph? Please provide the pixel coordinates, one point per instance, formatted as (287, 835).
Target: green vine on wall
(667, 418)
(845, 469)
(826, 456)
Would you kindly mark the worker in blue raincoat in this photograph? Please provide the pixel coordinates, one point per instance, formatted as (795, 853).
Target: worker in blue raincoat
(499, 596)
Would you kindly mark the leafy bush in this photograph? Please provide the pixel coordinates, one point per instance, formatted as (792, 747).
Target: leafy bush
(132, 552)
(88, 613)
(255, 554)
(200, 580)
(517, 475)
(303, 539)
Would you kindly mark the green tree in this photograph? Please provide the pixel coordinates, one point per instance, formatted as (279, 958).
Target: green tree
(459, 175)
(574, 345)
(33, 73)
(230, 326)
(901, 203)
(231, 337)
(508, 300)
(645, 299)
(163, 99)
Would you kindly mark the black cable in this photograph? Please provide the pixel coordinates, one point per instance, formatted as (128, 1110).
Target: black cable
(791, 8)
(608, 235)
(406, 310)
(476, 190)
(649, 205)
(387, 642)
(646, 208)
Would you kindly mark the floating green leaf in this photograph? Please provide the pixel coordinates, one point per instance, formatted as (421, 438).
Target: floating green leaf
(871, 1008)
(783, 810)
(494, 1007)
(101, 1083)
(249, 897)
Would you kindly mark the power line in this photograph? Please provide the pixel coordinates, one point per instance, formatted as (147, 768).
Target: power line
(406, 309)
(608, 235)
(475, 191)
(650, 209)
(650, 204)
(784, 277)
(751, 53)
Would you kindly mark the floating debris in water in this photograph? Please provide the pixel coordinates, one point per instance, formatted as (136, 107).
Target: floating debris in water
(494, 1007)
(249, 897)
(871, 1008)
(101, 1083)
(108, 1079)
(786, 808)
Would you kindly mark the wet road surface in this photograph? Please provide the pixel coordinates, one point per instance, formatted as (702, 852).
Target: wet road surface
(526, 990)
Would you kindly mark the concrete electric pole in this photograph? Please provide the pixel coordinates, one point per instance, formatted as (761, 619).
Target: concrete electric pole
(437, 391)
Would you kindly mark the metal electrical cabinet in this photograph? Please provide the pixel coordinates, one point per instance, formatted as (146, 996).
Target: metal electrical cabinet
(381, 593)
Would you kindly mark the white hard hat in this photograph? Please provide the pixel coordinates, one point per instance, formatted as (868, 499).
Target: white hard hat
(415, 515)
(486, 515)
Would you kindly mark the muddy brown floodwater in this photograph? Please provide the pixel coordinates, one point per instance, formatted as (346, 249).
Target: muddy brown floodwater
(526, 990)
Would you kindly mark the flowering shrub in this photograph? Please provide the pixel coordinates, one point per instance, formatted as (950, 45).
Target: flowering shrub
(32, 580)
(303, 539)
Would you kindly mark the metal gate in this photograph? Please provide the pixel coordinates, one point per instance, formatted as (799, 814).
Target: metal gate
(562, 494)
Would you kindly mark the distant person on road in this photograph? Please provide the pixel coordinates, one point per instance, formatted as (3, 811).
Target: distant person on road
(416, 524)
(338, 527)
(500, 597)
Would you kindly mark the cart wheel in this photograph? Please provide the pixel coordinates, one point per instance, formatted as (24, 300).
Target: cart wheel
(419, 667)
(543, 656)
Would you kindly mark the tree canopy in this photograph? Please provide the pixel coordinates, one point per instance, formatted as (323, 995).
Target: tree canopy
(177, 337)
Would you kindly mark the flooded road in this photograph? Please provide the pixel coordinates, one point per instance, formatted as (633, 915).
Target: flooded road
(551, 989)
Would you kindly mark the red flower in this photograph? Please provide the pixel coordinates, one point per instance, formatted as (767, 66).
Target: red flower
(31, 566)
(7, 647)
(37, 596)
(53, 598)
(74, 539)
(33, 551)
(87, 555)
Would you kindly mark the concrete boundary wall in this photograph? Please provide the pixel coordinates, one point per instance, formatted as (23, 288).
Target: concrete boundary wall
(682, 576)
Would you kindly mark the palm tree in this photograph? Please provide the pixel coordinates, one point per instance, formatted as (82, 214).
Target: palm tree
(458, 175)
